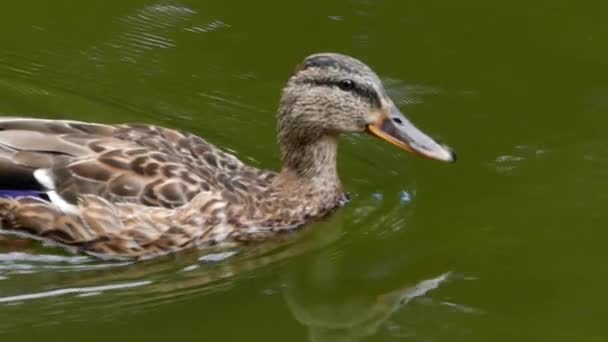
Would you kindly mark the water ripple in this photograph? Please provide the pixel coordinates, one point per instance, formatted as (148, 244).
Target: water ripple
(406, 94)
(42, 258)
(213, 26)
(507, 163)
(149, 29)
(76, 290)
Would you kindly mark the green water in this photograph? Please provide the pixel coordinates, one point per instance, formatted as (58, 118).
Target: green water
(508, 244)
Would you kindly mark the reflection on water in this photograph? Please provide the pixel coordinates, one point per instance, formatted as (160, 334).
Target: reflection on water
(337, 312)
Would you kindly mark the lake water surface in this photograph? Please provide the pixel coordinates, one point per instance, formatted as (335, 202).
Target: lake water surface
(508, 244)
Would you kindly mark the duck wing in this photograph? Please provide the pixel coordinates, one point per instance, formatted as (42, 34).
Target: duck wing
(143, 164)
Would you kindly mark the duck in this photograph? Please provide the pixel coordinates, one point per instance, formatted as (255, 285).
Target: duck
(137, 191)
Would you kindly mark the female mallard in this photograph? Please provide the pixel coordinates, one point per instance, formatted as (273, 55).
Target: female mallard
(138, 191)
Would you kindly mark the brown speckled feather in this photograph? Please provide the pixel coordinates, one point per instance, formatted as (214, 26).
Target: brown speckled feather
(140, 191)
(142, 164)
(126, 230)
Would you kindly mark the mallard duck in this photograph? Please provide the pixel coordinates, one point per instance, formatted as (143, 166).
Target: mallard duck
(138, 191)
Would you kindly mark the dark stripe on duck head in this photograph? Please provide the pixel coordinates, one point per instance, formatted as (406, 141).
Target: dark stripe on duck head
(365, 92)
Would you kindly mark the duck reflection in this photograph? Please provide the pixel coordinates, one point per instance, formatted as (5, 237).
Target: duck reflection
(337, 301)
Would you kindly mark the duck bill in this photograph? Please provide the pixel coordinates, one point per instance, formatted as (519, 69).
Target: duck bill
(393, 127)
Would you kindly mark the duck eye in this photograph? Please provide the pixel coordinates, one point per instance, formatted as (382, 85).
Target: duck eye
(346, 84)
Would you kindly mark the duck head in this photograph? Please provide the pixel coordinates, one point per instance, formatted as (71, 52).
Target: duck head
(330, 94)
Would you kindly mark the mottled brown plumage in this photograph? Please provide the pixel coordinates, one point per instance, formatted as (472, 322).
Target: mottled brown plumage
(138, 191)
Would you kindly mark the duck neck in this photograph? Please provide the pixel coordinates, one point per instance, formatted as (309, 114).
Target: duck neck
(311, 163)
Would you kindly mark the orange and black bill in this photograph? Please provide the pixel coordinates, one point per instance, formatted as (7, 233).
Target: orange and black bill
(393, 127)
